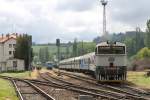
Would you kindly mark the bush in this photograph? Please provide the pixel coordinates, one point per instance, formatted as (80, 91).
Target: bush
(143, 53)
(141, 60)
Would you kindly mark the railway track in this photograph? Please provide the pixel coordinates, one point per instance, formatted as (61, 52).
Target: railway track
(82, 90)
(27, 90)
(131, 92)
(49, 81)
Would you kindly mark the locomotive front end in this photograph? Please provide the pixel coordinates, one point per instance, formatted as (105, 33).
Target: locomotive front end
(111, 61)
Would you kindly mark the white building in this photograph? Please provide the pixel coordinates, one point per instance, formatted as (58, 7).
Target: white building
(7, 49)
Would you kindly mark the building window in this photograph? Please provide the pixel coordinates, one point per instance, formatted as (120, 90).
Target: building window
(10, 52)
(10, 45)
(13, 52)
(14, 45)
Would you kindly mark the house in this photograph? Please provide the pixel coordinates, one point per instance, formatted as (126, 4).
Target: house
(7, 49)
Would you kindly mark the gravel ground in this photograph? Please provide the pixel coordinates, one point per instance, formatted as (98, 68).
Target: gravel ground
(60, 94)
(28, 92)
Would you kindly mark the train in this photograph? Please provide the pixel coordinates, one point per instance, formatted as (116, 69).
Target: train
(107, 63)
(49, 65)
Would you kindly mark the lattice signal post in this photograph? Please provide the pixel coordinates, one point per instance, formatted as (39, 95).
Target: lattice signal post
(104, 3)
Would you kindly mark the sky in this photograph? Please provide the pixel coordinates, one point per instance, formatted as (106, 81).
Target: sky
(47, 20)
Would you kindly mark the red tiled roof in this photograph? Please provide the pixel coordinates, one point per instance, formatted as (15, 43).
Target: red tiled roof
(5, 38)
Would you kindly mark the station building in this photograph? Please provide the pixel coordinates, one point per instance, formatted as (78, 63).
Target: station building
(7, 50)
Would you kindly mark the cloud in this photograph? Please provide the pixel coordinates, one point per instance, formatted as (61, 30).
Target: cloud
(47, 20)
(130, 12)
(75, 5)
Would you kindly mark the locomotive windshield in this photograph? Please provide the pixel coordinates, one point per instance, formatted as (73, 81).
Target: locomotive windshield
(111, 50)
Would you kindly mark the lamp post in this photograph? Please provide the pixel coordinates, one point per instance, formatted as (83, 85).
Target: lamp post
(104, 3)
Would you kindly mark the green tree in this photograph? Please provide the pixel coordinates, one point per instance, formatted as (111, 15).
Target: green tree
(147, 40)
(139, 40)
(24, 50)
(143, 53)
(85, 47)
(75, 48)
(131, 46)
(67, 51)
(44, 55)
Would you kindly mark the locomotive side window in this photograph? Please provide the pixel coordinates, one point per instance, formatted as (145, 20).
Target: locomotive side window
(111, 50)
(95, 50)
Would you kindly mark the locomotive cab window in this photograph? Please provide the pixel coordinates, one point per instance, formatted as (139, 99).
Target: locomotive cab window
(95, 50)
(111, 50)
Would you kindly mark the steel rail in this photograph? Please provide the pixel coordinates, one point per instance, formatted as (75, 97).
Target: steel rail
(102, 85)
(17, 90)
(40, 91)
(76, 89)
(90, 89)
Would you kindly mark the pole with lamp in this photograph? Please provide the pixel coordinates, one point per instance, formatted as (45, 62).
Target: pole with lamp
(104, 3)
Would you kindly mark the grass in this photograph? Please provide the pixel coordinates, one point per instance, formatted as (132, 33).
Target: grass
(7, 91)
(139, 79)
(24, 74)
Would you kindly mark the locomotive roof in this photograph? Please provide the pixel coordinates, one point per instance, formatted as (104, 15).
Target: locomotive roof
(108, 44)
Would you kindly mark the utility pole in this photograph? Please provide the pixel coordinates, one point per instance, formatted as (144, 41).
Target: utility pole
(104, 3)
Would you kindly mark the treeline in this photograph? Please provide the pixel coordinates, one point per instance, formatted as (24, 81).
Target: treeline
(134, 40)
(49, 52)
(81, 48)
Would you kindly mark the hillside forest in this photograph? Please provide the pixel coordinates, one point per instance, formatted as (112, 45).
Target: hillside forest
(137, 42)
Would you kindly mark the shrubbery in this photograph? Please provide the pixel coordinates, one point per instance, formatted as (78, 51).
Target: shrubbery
(143, 53)
(141, 60)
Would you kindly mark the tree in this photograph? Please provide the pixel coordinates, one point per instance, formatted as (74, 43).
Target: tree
(24, 50)
(143, 53)
(139, 40)
(85, 47)
(75, 48)
(44, 55)
(147, 40)
(130, 43)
